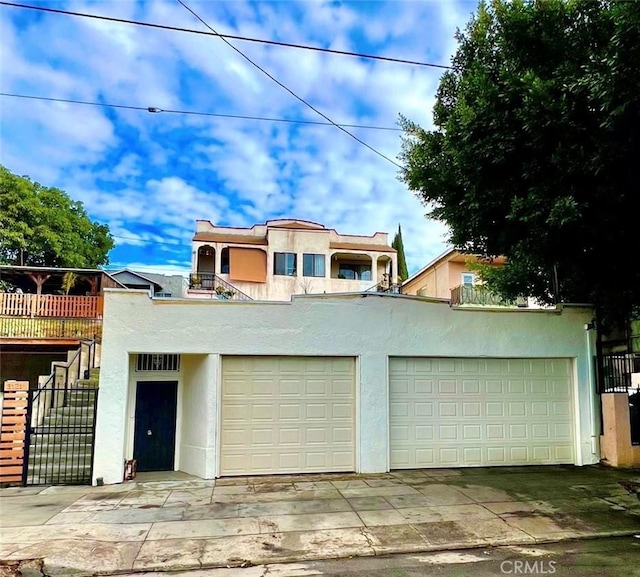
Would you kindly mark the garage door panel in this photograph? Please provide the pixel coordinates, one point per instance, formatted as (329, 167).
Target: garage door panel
(480, 412)
(299, 417)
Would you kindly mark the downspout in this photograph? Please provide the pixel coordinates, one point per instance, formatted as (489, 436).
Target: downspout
(596, 424)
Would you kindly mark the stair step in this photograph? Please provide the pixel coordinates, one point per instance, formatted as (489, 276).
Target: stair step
(63, 421)
(94, 373)
(47, 438)
(71, 410)
(63, 464)
(86, 383)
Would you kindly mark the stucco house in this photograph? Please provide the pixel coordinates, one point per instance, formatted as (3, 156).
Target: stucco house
(280, 258)
(452, 276)
(363, 382)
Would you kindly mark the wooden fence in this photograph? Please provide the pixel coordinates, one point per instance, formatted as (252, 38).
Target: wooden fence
(13, 430)
(57, 306)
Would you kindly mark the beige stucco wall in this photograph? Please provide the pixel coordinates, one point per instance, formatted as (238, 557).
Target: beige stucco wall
(615, 442)
(370, 328)
(299, 241)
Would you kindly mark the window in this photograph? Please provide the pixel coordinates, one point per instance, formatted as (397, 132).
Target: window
(284, 263)
(153, 362)
(224, 261)
(468, 278)
(355, 271)
(162, 294)
(313, 265)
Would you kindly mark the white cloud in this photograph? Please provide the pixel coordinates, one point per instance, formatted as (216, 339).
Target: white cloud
(150, 176)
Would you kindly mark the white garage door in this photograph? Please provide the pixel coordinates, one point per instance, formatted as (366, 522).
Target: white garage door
(476, 412)
(287, 415)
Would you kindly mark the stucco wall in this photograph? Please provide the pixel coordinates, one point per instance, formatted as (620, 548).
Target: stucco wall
(196, 455)
(371, 328)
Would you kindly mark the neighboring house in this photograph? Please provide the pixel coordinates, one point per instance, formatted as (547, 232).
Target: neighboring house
(159, 285)
(50, 332)
(361, 383)
(41, 321)
(452, 276)
(280, 258)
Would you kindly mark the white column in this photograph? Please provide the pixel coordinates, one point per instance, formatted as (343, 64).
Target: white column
(394, 269)
(372, 418)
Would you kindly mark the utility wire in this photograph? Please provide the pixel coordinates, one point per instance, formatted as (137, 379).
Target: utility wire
(299, 98)
(230, 36)
(154, 109)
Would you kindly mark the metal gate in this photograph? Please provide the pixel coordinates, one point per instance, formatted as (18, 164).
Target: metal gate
(60, 436)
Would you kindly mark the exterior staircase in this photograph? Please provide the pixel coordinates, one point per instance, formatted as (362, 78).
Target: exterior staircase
(61, 435)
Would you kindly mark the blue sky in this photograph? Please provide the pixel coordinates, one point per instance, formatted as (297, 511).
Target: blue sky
(150, 176)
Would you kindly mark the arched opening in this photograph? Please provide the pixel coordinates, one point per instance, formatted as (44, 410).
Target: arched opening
(206, 259)
(351, 266)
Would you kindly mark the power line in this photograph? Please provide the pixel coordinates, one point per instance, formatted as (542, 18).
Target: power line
(299, 98)
(230, 36)
(154, 109)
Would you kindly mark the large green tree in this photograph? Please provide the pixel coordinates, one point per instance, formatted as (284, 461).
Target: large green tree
(42, 226)
(535, 150)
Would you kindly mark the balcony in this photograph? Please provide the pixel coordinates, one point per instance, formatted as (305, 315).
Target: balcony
(215, 286)
(479, 295)
(34, 316)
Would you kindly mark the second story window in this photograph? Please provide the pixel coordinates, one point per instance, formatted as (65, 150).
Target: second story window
(313, 265)
(284, 263)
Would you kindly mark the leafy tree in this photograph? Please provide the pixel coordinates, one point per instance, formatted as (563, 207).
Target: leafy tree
(397, 243)
(42, 226)
(535, 151)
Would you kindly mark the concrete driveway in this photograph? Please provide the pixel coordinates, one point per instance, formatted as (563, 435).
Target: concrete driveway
(177, 522)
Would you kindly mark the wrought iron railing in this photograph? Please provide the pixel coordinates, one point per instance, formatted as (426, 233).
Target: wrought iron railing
(615, 370)
(212, 282)
(385, 288)
(479, 295)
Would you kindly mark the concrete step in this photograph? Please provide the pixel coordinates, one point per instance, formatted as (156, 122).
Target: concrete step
(51, 477)
(91, 383)
(62, 464)
(55, 461)
(71, 411)
(46, 438)
(61, 421)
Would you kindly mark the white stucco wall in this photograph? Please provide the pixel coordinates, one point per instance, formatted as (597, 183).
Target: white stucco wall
(371, 328)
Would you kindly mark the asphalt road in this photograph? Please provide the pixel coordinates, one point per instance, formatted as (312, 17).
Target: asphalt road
(611, 557)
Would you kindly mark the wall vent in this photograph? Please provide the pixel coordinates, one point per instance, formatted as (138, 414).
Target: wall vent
(157, 362)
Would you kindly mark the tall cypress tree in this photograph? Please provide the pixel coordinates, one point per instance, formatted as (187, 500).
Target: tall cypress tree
(403, 273)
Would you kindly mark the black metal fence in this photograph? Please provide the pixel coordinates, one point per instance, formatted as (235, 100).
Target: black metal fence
(615, 376)
(60, 436)
(60, 428)
(614, 372)
(480, 295)
(218, 286)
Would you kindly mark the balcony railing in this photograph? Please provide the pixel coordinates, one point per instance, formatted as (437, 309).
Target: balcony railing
(211, 282)
(57, 306)
(479, 295)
